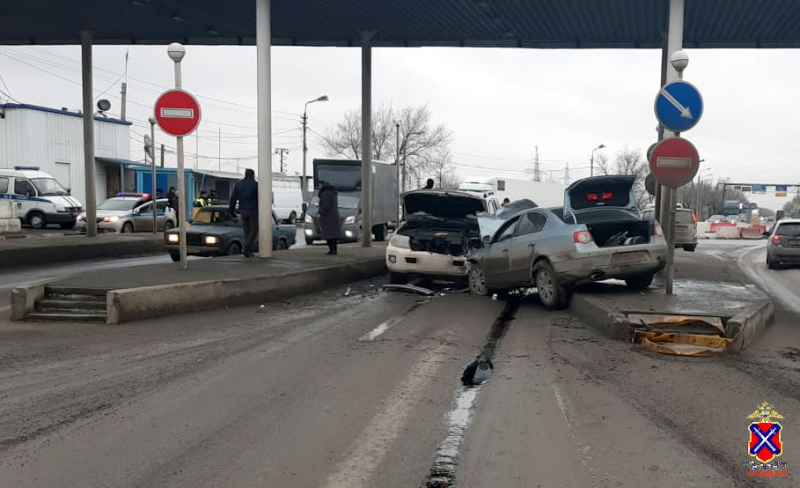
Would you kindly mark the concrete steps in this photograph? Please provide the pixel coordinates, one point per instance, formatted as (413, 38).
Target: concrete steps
(70, 304)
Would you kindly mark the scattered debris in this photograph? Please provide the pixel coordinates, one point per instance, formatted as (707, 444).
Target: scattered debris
(347, 292)
(410, 288)
(679, 335)
(478, 371)
(262, 308)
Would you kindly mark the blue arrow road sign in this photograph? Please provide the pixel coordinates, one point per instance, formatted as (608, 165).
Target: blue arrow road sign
(679, 106)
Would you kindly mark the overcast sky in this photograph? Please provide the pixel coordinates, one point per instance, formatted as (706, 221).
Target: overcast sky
(500, 103)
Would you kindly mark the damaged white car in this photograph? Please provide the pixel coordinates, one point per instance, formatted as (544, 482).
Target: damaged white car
(440, 228)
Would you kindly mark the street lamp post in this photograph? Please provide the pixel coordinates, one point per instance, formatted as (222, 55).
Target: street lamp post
(405, 147)
(591, 164)
(397, 170)
(176, 52)
(323, 98)
(697, 192)
(153, 193)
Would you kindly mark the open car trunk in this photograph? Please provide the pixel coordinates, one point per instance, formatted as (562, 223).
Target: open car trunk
(620, 233)
(442, 222)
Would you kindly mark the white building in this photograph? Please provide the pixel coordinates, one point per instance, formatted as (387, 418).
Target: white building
(53, 140)
(543, 194)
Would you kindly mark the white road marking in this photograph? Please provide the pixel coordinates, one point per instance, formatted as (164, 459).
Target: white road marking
(371, 446)
(377, 331)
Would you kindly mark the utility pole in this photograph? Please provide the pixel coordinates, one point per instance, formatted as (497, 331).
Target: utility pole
(281, 151)
(219, 147)
(566, 174)
(536, 174)
(397, 170)
(304, 119)
(124, 91)
(162, 155)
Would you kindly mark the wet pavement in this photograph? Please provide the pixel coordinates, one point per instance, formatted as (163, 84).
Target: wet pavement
(361, 387)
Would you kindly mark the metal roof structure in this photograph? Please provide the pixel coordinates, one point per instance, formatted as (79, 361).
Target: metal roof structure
(26, 106)
(473, 23)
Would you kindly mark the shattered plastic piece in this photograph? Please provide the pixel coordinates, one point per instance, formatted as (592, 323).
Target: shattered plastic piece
(411, 288)
(478, 371)
(261, 309)
(347, 293)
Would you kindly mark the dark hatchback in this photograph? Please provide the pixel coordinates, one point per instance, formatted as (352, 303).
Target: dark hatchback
(214, 232)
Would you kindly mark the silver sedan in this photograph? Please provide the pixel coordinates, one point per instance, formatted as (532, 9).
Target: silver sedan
(597, 236)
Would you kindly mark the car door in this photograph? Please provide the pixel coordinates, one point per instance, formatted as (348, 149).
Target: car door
(522, 245)
(161, 208)
(497, 262)
(143, 218)
(25, 191)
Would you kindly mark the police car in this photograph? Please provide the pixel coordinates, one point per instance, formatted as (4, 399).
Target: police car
(39, 198)
(131, 212)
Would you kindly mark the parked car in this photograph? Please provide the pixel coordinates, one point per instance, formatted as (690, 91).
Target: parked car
(214, 232)
(717, 218)
(685, 227)
(287, 203)
(783, 247)
(440, 227)
(597, 235)
(39, 198)
(131, 212)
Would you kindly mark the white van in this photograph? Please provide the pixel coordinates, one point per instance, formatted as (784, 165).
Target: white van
(287, 200)
(39, 198)
(486, 191)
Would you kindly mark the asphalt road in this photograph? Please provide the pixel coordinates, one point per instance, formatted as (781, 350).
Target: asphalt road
(357, 387)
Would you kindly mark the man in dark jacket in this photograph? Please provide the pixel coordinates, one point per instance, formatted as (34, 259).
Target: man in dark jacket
(329, 216)
(245, 192)
(172, 199)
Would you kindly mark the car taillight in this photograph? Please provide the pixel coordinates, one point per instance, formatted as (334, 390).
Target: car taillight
(608, 196)
(694, 218)
(657, 230)
(776, 240)
(582, 237)
(592, 197)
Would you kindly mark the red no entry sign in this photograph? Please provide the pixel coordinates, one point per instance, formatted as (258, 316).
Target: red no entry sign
(674, 162)
(177, 113)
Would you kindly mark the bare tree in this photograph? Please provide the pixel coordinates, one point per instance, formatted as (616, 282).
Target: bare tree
(629, 162)
(420, 139)
(792, 209)
(441, 168)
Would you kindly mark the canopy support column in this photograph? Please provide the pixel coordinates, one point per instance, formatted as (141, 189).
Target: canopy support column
(264, 89)
(90, 196)
(366, 138)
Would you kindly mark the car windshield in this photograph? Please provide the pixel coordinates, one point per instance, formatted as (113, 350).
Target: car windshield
(48, 187)
(214, 217)
(118, 204)
(716, 218)
(345, 201)
(788, 230)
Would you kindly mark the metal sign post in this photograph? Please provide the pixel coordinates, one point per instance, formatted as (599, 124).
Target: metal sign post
(153, 192)
(178, 113)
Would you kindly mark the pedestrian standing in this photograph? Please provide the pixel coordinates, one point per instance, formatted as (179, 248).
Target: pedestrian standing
(329, 216)
(429, 184)
(172, 199)
(245, 192)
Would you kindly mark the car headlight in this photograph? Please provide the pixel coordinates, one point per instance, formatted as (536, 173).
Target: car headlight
(173, 238)
(402, 242)
(309, 219)
(60, 208)
(80, 218)
(211, 240)
(350, 220)
(112, 218)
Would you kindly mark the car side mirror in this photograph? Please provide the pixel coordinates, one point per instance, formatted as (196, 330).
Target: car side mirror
(487, 240)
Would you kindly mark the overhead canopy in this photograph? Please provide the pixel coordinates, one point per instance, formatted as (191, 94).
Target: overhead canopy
(477, 23)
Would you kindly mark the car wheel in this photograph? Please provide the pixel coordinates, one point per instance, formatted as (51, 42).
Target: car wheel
(67, 225)
(553, 295)
(175, 257)
(128, 227)
(690, 247)
(309, 242)
(168, 225)
(234, 249)
(281, 246)
(477, 281)
(398, 279)
(37, 220)
(380, 233)
(639, 282)
(771, 264)
(292, 218)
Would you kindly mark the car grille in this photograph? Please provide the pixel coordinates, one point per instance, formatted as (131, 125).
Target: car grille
(194, 240)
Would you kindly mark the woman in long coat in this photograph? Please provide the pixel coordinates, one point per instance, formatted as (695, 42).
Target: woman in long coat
(329, 216)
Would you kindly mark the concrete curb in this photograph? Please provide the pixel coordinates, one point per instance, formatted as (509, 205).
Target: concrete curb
(609, 322)
(80, 250)
(744, 327)
(748, 324)
(159, 301)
